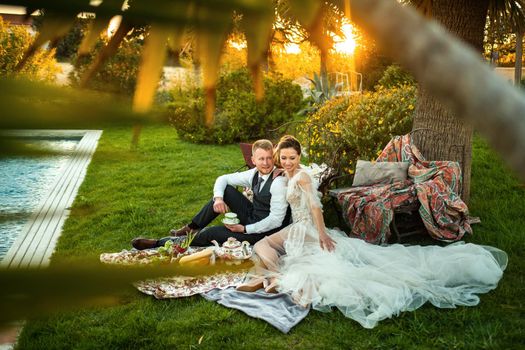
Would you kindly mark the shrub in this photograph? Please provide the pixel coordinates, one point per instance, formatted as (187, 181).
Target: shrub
(67, 47)
(238, 117)
(358, 127)
(119, 73)
(395, 76)
(14, 41)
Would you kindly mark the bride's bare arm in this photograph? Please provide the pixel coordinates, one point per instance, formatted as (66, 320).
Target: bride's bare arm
(314, 205)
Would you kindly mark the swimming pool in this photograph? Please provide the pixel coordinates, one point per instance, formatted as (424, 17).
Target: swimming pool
(36, 193)
(24, 181)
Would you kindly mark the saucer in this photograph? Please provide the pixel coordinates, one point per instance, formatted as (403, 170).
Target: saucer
(230, 221)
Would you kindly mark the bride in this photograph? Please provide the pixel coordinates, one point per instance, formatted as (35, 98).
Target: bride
(324, 268)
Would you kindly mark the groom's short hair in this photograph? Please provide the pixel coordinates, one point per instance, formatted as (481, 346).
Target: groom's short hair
(264, 144)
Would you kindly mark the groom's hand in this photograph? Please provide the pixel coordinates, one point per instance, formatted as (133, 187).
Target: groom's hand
(235, 228)
(219, 206)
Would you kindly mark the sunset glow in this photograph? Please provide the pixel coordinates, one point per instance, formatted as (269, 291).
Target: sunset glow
(344, 45)
(347, 44)
(292, 48)
(238, 45)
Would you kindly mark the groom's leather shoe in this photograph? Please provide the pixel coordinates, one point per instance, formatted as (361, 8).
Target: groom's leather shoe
(184, 231)
(144, 243)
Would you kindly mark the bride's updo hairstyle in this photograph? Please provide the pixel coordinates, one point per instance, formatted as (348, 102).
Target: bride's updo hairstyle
(287, 141)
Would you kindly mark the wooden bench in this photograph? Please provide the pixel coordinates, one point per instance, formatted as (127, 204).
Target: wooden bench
(406, 221)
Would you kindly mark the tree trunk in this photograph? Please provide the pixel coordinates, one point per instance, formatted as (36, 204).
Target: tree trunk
(323, 55)
(197, 64)
(269, 64)
(452, 72)
(519, 58)
(451, 137)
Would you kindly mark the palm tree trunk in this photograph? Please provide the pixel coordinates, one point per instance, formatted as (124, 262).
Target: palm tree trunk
(447, 137)
(451, 138)
(519, 58)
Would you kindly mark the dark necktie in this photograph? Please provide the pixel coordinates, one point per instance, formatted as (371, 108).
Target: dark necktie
(258, 186)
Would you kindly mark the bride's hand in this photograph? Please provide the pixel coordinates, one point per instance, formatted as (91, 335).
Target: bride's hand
(326, 242)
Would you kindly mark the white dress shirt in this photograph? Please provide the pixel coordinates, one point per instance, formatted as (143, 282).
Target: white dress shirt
(262, 179)
(278, 204)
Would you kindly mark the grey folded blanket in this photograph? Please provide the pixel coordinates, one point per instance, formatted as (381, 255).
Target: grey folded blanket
(277, 309)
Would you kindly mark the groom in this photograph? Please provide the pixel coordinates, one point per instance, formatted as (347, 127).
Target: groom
(268, 213)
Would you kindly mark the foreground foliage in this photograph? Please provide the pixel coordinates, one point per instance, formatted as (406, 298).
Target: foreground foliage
(162, 184)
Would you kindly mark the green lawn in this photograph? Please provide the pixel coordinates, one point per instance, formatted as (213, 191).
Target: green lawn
(162, 184)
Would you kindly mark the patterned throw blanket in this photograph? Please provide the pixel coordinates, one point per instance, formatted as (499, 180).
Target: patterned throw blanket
(435, 184)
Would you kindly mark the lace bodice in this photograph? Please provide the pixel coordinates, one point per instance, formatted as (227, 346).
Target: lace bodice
(302, 197)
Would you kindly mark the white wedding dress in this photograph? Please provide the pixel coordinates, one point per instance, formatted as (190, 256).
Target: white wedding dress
(369, 283)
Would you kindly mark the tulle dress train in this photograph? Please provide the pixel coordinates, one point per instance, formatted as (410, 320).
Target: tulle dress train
(366, 282)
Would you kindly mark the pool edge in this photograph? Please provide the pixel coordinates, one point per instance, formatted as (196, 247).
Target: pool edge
(36, 243)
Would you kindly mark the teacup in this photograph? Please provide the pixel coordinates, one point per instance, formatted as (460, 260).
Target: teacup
(230, 219)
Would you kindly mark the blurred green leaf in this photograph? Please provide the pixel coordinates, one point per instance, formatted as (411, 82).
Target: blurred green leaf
(105, 12)
(150, 11)
(258, 30)
(13, 147)
(150, 71)
(35, 292)
(212, 20)
(30, 105)
(210, 45)
(107, 51)
(53, 29)
(305, 11)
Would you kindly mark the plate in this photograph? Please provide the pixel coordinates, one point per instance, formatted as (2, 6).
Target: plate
(230, 221)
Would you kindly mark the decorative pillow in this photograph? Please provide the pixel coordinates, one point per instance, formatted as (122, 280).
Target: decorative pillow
(371, 173)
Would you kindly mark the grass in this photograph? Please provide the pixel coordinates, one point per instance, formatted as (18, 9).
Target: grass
(163, 183)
